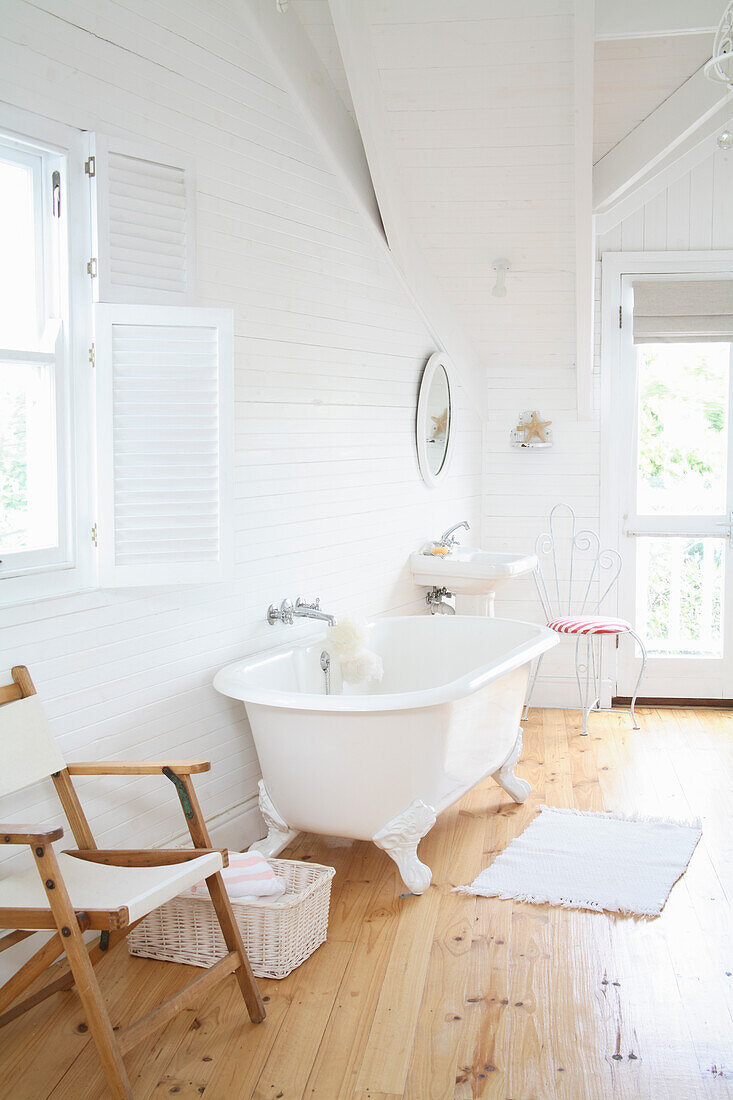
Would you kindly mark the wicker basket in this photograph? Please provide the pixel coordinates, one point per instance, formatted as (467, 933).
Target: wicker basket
(278, 935)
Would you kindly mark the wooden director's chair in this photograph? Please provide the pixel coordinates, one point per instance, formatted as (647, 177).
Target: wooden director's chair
(90, 888)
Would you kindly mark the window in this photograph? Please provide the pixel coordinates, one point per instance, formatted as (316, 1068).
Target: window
(667, 478)
(134, 392)
(34, 498)
(46, 411)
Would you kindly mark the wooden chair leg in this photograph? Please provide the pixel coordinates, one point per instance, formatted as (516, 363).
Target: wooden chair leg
(233, 940)
(84, 977)
(223, 907)
(30, 970)
(65, 981)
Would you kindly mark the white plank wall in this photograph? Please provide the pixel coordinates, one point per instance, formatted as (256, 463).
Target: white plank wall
(486, 151)
(693, 212)
(329, 353)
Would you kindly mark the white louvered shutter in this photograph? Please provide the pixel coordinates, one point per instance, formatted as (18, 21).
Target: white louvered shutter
(143, 212)
(165, 444)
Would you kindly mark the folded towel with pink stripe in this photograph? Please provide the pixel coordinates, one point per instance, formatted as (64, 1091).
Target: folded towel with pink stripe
(248, 877)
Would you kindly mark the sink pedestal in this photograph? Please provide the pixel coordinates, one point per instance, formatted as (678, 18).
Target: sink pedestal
(476, 605)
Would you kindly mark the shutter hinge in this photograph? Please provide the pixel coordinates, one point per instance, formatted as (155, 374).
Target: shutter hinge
(92, 268)
(92, 356)
(620, 316)
(95, 541)
(90, 167)
(56, 194)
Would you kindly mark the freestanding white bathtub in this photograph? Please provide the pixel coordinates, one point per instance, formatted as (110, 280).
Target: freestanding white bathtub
(379, 761)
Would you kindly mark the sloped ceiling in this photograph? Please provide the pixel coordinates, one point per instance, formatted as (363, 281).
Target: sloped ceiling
(633, 76)
(485, 151)
(479, 101)
(316, 18)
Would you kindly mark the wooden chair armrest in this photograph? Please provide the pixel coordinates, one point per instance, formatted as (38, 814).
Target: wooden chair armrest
(138, 767)
(30, 834)
(142, 857)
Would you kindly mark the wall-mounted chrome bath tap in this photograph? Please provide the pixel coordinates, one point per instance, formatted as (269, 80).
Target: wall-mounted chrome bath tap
(287, 612)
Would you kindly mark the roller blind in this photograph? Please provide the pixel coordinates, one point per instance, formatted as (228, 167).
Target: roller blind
(165, 416)
(143, 211)
(683, 311)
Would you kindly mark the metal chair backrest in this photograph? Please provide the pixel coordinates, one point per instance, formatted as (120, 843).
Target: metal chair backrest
(572, 569)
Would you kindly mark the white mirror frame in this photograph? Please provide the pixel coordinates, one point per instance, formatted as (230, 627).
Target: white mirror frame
(437, 360)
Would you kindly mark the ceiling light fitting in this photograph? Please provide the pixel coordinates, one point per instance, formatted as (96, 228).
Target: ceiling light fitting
(720, 66)
(501, 267)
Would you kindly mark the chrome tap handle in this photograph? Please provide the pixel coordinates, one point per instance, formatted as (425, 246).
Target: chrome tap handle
(302, 602)
(282, 615)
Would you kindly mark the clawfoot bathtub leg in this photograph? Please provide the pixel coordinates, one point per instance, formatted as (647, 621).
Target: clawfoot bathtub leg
(400, 837)
(279, 833)
(516, 788)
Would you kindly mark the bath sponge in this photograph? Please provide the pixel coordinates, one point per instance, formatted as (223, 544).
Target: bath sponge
(347, 642)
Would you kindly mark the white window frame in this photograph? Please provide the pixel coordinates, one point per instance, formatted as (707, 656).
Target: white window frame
(617, 270)
(71, 567)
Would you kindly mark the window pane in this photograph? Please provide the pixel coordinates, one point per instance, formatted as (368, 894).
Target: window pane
(680, 586)
(28, 476)
(683, 428)
(18, 304)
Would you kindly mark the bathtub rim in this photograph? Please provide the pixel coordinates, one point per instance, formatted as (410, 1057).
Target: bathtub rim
(226, 681)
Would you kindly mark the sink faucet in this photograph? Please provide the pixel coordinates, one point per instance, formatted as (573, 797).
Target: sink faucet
(287, 613)
(448, 537)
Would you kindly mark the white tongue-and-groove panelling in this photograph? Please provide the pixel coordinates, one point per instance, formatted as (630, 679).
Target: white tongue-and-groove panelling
(328, 357)
(485, 146)
(480, 99)
(694, 212)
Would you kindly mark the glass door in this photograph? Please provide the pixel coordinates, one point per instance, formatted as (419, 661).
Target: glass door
(677, 586)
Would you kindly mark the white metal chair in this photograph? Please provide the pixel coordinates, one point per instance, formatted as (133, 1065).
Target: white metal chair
(571, 598)
(108, 890)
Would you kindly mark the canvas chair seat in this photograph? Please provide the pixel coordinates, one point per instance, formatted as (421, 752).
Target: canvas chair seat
(98, 886)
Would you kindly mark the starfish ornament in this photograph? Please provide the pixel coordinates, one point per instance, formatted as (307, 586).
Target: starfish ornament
(441, 424)
(534, 428)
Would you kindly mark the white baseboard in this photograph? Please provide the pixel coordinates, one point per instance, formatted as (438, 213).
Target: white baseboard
(235, 828)
(561, 693)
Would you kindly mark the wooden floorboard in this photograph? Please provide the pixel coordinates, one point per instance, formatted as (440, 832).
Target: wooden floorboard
(452, 997)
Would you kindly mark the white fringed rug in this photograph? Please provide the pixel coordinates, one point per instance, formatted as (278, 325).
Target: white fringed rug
(591, 861)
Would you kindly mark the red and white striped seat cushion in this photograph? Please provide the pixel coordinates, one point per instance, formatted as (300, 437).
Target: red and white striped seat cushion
(590, 624)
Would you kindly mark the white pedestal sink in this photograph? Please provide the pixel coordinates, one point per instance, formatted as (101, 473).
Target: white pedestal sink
(473, 576)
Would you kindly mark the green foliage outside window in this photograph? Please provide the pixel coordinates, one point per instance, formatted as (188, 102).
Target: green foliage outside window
(683, 449)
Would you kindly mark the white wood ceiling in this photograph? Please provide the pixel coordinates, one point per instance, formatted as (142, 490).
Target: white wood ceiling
(316, 18)
(479, 100)
(485, 149)
(634, 75)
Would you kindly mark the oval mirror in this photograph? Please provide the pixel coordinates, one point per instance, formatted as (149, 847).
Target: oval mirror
(435, 419)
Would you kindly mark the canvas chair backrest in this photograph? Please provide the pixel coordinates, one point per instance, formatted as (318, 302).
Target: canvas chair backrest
(28, 751)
